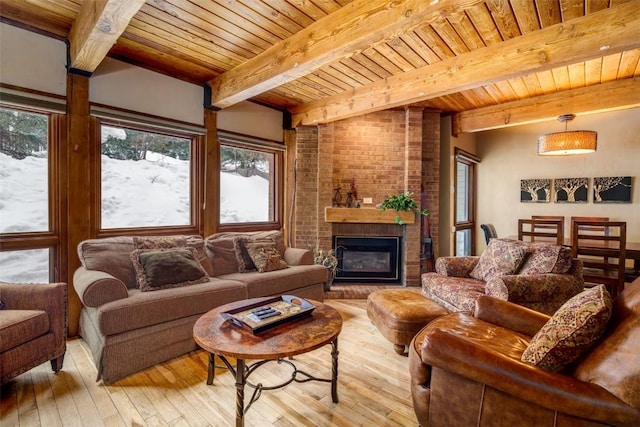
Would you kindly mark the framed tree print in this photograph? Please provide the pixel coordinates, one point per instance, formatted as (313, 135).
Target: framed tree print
(612, 189)
(535, 190)
(570, 190)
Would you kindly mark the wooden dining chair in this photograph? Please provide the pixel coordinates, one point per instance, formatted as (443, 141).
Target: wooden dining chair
(585, 228)
(601, 245)
(489, 232)
(546, 217)
(541, 230)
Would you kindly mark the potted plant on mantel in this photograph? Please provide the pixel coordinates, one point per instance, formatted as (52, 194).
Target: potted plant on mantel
(328, 259)
(402, 202)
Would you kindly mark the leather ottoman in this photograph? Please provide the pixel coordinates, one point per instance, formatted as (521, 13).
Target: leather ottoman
(400, 313)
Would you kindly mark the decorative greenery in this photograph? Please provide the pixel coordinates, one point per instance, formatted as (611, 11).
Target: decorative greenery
(402, 202)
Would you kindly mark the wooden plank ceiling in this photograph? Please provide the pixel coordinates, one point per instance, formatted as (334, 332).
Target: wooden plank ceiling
(490, 63)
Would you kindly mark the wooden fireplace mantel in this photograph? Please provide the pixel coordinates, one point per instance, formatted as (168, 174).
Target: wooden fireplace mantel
(367, 215)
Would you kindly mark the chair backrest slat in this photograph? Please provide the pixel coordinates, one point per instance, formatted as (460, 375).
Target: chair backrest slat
(530, 230)
(601, 245)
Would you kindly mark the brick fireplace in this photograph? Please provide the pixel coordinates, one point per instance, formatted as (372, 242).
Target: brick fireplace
(386, 152)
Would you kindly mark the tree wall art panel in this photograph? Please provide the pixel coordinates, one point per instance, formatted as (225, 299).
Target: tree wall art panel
(612, 189)
(535, 190)
(570, 190)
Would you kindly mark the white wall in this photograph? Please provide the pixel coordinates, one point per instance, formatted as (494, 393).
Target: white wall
(509, 155)
(32, 61)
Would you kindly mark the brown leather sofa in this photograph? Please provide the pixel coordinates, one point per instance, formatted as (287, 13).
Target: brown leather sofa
(466, 371)
(33, 327)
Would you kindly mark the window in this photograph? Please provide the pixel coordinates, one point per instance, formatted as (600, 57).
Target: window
(248, 180)
(146, 178)
(464, 243)
(29, 232)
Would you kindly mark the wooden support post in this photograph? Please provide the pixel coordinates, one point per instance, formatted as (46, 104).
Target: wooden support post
(79, 188)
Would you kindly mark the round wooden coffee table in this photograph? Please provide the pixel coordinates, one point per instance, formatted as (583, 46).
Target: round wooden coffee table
(220, 337)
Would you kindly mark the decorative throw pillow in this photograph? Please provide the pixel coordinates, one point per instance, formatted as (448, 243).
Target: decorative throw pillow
(223, 255)
(245, 263)
(501, 257)
(565, 260)
(167, 268)
(571, 330)
(159, 242)
(546, 258)
(265, 256)
(168, 242)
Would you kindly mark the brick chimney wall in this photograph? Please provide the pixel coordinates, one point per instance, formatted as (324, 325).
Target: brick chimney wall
(385, 153)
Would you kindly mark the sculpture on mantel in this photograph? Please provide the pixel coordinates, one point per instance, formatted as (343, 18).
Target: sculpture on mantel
(337, 197)
(352, 195)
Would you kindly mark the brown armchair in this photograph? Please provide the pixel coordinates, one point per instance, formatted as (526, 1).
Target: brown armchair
(466, 371)
(33, 327)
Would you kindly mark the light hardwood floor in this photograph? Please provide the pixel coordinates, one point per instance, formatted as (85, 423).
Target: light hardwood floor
(373, 389)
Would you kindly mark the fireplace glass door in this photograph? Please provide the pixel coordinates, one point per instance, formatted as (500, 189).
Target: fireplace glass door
(368, 259)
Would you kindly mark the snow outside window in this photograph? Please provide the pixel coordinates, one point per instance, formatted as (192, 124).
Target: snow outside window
(146, 180)
(24, 191)
(247, 182)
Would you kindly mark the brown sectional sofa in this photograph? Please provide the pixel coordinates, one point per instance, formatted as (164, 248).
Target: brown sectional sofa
(129, 330)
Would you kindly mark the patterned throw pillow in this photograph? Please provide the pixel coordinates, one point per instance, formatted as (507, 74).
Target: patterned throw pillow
(501, 257)
(167, 268)
(546, 258)
(245, 263)
(265, 256)
(571, 330)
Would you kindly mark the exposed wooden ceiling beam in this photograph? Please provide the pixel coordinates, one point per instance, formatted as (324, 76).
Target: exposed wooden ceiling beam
(98, 26)
(612, 30)
(351, 29)
(610, 96)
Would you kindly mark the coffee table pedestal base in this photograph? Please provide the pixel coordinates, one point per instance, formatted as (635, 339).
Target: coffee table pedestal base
(242, 371)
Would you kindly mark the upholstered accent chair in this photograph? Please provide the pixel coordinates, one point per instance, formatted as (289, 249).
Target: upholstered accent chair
(475, 370)
(33, 327)
(540, 276)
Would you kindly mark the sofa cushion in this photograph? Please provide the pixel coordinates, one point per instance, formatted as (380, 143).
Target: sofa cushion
(142, 309)
(158, 242)
(167, 268)
(275, 235)
(456, 294)
(21, 326)
(264, 255)
(280, 282)
(166, 242)
(111, 255)
(571, 330)
(501, 257)
(222, 253)
(543, 258)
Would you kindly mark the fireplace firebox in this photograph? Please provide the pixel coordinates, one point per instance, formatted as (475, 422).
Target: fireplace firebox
(368, 259)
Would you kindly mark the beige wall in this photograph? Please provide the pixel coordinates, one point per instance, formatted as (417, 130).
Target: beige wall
(509, 155)
(118, 84)
(37, 62)
(449, 143)
(33, 61)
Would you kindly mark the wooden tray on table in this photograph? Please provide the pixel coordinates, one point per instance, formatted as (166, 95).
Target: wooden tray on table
(258, 317)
